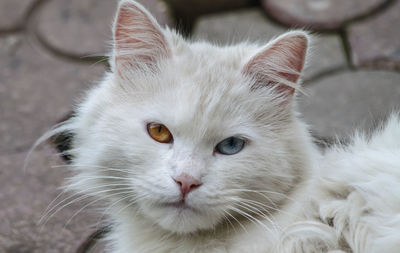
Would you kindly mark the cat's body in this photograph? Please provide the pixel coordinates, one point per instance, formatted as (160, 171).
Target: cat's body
(352, 205)
(238, 171)
(358, 192)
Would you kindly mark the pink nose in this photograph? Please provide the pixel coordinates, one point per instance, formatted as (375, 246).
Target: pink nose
(186, 183)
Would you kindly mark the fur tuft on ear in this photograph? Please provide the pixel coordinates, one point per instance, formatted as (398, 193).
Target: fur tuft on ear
(280, 62)
(139, 41)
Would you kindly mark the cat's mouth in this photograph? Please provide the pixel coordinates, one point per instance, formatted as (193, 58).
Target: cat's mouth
(180, 206)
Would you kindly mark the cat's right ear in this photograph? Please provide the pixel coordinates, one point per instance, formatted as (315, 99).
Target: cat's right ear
(139, 41)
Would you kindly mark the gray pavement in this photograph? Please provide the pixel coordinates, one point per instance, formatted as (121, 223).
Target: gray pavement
(51, 51)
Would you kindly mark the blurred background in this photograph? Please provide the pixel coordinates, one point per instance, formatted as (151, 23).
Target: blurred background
(51, 51)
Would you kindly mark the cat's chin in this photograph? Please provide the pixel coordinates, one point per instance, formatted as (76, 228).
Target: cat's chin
(181, 218)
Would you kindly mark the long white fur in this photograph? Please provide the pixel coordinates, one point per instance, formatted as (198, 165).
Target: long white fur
(277, 195)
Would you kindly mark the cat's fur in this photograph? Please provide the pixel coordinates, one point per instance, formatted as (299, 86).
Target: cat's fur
(277, 195)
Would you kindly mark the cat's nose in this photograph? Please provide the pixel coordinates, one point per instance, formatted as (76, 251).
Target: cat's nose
(186, 183)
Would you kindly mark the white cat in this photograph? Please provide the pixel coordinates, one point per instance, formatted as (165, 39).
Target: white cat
(197, 148)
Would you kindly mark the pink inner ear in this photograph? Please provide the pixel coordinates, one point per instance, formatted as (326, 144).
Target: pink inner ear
(281, 62)
(295, 56)
(138, 37)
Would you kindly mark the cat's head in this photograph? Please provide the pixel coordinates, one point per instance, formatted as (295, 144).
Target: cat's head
(187, 135)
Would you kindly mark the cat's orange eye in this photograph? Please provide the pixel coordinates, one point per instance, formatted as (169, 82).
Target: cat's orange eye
(159, 132)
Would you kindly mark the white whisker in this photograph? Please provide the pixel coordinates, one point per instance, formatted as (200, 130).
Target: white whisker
(44, 221)
(237, 221)
(91, 203)
(47, 211)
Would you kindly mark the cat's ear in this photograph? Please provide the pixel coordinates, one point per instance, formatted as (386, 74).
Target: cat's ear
(139, 40)
(279, 63)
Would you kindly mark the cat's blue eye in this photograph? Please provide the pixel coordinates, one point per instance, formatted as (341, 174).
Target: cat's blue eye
(230, 146)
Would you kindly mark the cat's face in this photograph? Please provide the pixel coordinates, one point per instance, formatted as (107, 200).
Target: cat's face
(185, 134)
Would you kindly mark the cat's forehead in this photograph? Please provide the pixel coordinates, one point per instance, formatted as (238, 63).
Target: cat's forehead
(209, 98)
(212, 58)
(207, 68)
(198, 114)
(201, 91)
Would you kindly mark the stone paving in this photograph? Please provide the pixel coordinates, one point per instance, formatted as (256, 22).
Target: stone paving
(51, 51)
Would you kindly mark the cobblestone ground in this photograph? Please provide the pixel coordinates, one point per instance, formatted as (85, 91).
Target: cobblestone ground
(52, 50)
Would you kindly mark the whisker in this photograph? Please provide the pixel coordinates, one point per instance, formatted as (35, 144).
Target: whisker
(270, 207)
(83, 179)
(93, 166)
(73, 201)
(233, 217)
(256, 211)
(49, 206)
(261, 193)
(47, 211)
(130, 204)
(227, 222)
(250, 217)
(103, 177)
(134, 199)
(91, 203)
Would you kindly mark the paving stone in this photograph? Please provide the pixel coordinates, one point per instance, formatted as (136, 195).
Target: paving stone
(319, 14)
(376, 41)
(236, 26)
(160, 10)
(326, 54)
(192, 8)
(83, 27)
(25, 195)
(12, 13)
(36, 91)
(252, 25)
(338, 104)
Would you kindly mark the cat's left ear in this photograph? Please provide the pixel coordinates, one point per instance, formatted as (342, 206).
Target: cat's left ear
(139, 41)
(280, 63)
